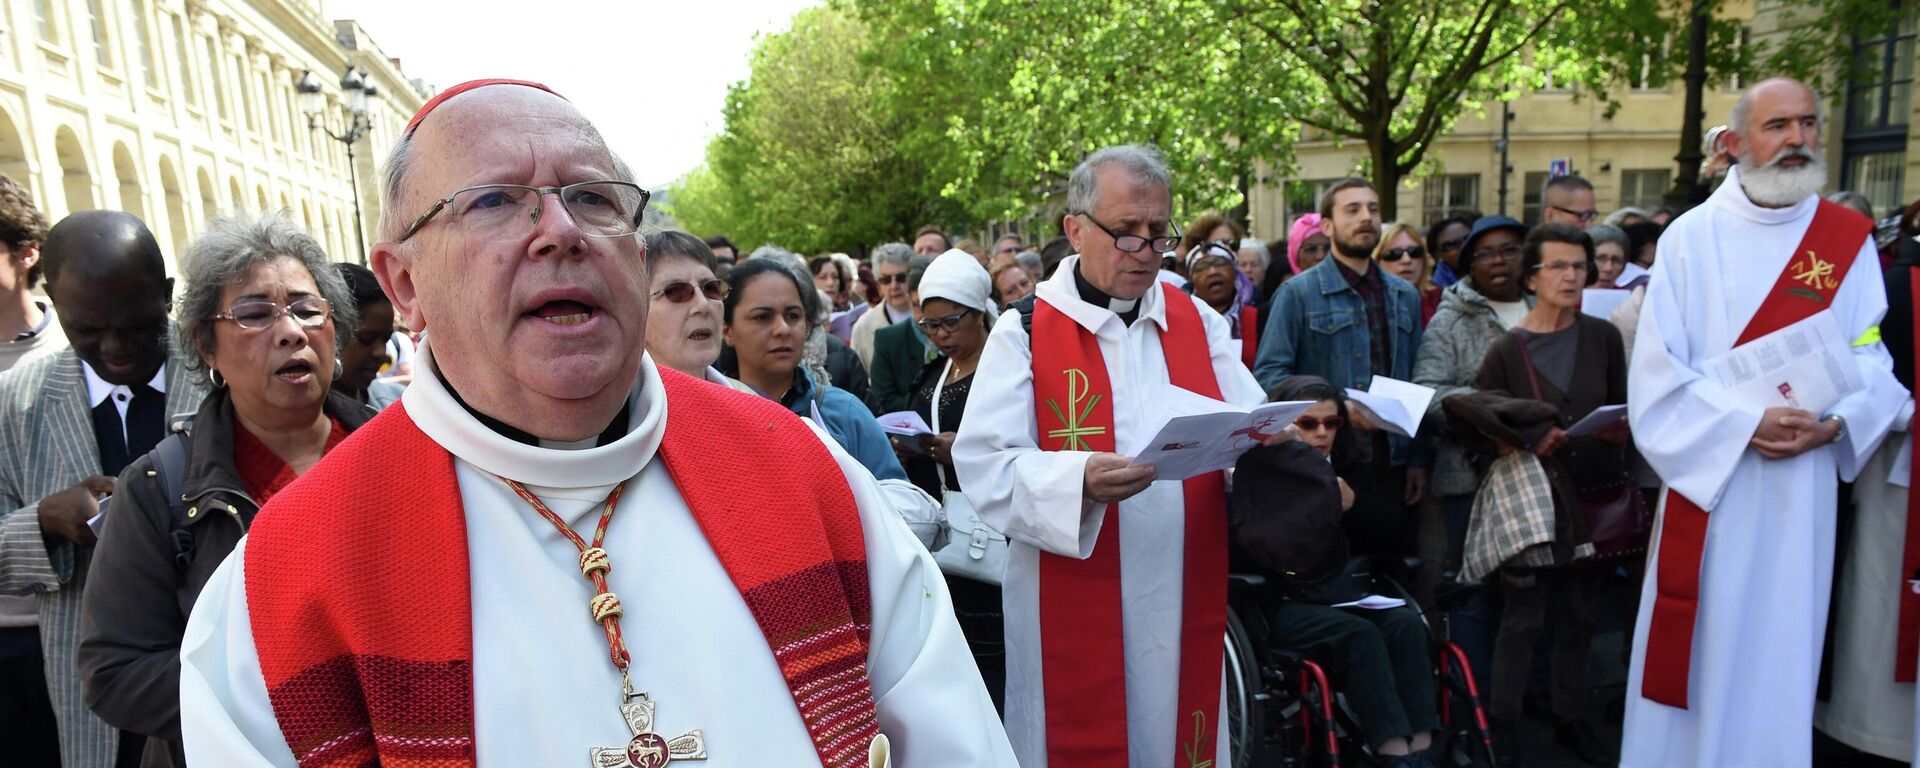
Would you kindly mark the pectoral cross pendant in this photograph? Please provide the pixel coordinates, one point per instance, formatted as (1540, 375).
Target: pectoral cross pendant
(647, 749)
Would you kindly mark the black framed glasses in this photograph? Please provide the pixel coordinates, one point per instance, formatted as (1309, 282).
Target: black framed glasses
(506, 211)
(254, 315)
(1585, 217)
(1127, 242)
(681, 291)
(1410, 251)
(1508, 252)
(948, 323)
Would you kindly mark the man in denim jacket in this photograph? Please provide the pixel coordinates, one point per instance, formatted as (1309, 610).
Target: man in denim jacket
(1344, 320)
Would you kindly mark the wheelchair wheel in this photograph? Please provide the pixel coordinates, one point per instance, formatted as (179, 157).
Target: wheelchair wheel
(1245, 702)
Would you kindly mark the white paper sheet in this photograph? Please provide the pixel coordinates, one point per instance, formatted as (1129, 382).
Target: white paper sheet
(1601, 418)
(1373, 603)
(1807, 365)
(1393, 405)
(1203, 435)
(1601, 302)
(904, 424)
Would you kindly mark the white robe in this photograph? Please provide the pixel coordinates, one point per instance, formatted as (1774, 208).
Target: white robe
(1868, 710)
(1034, 497)
(544, 691)
(1768, 563)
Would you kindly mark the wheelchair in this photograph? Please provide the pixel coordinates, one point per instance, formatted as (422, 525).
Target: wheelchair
(1283, 713)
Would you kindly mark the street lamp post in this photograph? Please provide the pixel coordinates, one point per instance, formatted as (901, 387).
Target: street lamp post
(359, 92)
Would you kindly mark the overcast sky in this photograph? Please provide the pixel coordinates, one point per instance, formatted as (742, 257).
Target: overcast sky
(651, 74)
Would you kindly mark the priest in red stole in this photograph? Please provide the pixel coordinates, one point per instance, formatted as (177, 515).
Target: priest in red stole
(1726, 648)
(552, 552)
(1115, 589)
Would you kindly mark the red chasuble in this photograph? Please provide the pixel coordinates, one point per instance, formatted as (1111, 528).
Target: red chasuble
(1909, 638)
(1082, 648)
(363, 620)
(1808, 285)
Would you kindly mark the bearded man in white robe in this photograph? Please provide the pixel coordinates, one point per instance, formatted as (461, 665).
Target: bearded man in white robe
(1726, 649)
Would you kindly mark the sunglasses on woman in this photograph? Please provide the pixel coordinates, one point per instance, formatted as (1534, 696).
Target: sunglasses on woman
(1310, 424)
(1396, 254)
(681, 291)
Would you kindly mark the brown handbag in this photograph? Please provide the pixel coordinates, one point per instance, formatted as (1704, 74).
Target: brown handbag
(1619, 522)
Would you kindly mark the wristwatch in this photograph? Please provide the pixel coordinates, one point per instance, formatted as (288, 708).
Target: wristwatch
(1842, 422)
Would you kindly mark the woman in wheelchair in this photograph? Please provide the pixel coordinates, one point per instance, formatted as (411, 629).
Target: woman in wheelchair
(1381, 658)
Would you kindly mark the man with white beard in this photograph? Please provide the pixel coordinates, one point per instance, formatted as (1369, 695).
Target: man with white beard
(1727, 646)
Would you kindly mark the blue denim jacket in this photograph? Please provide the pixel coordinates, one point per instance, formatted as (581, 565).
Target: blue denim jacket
(1317, 325)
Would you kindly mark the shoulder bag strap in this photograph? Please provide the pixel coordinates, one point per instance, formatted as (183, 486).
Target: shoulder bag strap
(1526, 358)
(938, 385)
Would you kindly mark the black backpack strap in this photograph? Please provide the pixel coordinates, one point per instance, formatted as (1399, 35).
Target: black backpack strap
(170, 464)
(1025, 308)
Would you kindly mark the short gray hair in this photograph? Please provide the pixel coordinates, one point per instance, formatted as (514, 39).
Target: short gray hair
(1259, 249)
(393, 176)
(1614, 219)
(892, 253)
(231, 247)
(1142, 162)
(1852, 199)
(1608, 233)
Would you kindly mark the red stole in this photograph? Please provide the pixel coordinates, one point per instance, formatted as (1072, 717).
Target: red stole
(1909, 639)
(1806, 286)
(1249, 335)
(1082, 649)
(363, 621)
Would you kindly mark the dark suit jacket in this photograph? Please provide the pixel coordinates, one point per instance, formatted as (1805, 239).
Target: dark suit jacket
(898, 357)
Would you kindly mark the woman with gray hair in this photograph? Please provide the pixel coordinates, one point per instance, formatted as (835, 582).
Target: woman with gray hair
(261, 320)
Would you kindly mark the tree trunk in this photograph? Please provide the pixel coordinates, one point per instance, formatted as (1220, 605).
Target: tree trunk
(1386, 173)
(1690, 126)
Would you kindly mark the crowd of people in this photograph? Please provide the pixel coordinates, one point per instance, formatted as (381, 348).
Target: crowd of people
(297, 512)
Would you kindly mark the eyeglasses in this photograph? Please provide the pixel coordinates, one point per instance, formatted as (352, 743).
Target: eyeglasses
(948, 323)
(681, 291)
(504, 211)
(1310, 424)
(307, 312)
(1452, 245)
(1314, 248)
(1013, 249)
(889, 279)
(1584, 216)
(1563, 266)
(1130, 243)
(1396, 254)
(1507, 252)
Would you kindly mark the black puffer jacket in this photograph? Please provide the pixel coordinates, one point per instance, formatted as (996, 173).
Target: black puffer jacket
(149, 568)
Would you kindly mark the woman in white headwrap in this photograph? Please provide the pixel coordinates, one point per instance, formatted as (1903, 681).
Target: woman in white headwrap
(956, 311)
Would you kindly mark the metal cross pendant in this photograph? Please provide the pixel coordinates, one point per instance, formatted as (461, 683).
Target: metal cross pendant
(647, 749)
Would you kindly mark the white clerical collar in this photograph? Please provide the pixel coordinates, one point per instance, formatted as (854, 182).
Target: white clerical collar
(1732, 197)
(550, 465)
(1060, 292)
(99, 389)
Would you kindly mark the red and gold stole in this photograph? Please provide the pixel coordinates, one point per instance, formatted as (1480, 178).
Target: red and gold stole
(1808, 285)
(1082, 647)
(1908, 645)
(363, 618)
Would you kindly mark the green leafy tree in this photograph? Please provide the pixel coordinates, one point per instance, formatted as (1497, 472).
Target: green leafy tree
(810, 156)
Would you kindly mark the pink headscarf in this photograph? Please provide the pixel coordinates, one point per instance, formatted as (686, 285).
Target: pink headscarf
(1304, 227)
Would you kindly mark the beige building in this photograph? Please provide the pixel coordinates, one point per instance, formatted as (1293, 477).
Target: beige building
(178, 111)
(1629, 156)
